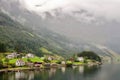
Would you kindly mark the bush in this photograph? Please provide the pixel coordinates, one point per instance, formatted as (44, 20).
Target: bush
(46, 60)
(12, 65)
(90, 55)
(1, 64)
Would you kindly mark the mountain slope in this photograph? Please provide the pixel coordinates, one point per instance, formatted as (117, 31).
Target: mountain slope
(33, 35)
(19, 38)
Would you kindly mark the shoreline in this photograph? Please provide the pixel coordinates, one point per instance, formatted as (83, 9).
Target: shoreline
(17, 69)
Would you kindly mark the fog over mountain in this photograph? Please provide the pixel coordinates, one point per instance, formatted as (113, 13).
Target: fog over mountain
(90, 21)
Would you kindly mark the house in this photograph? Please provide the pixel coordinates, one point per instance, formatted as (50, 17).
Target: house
(12, 55)
(9, 56)
(81, 59)
(30, 64)
(54, 65)
(47, 65)
(37, 64)
(63, 62)
(20, 63)
(23, 57)
(50, 58)
(71, 59)
(30, 55)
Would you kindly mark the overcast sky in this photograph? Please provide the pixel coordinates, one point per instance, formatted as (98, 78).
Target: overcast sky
(110, 9)
(98, 20)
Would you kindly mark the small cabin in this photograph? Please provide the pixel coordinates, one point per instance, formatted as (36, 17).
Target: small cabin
(63, 62)
(30, 64)
(37, 64)
(30, 55)
(20, 63)
(50, 58)
(12, 55)
(81, 59)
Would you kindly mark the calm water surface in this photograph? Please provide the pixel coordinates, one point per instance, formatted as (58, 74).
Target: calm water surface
(104, 72)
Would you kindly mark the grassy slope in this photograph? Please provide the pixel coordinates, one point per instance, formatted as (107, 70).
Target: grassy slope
(16, 36)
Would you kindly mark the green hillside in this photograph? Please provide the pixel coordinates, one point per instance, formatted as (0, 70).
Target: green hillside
(15, 37)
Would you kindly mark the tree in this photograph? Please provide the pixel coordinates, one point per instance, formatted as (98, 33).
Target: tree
(29, 60)
(75, 57)
(6, 61)
(90, 55)
(1, 64)
(3, 47)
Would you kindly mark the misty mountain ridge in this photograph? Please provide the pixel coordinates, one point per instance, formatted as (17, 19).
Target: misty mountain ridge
(14, 35)
(48, 28)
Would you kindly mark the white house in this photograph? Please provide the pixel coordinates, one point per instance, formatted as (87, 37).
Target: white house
(9, 56)
(20, 62)
(12, 55)
(30, 55)
(49, 58)
(63, 62)
(81, 59)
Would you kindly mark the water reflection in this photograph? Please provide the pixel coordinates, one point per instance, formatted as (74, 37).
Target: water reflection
(91, 71)
(52, 72)
(24, 75)
(31, 75)
(74, 67)
(19, 75)
(74, 73)
(63, 69)
(11, 77)
(81, 69)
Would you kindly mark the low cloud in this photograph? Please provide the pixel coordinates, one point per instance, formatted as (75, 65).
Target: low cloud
(108, 9)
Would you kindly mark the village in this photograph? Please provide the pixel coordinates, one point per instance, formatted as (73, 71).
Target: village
(17, 61)
(31, 60)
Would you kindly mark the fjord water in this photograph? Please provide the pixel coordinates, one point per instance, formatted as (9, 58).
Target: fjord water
(104, 72)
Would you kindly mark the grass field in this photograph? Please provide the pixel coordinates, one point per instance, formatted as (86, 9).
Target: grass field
(13, 61)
